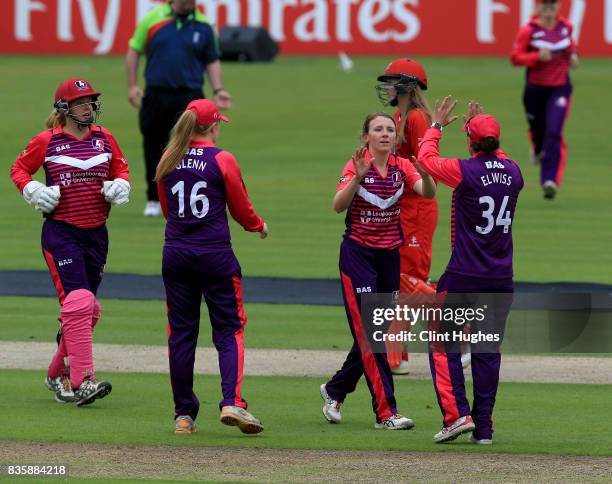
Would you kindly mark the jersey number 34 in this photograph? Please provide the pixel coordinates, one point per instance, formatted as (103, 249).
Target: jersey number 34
(503, 216)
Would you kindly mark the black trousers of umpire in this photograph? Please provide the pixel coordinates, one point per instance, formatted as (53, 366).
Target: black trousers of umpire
(161, 108)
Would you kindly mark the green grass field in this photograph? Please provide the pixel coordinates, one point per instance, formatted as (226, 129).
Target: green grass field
(294, 124)
(276, 326)
(529, 418)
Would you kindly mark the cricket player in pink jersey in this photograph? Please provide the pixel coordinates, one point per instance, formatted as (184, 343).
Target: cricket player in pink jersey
(196, 182)
(486, 188)
(86, 173)
(546, 47)
(371, 188)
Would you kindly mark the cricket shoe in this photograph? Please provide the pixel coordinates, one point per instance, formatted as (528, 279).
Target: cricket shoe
(535, 158)
(458, 427)
(402, 369)
(239, 417)
(152, 209)
(395, 422)
(184, 424)
(90, 390)
(474, 440)
(331, 409)
(60, 386)
(550, 189)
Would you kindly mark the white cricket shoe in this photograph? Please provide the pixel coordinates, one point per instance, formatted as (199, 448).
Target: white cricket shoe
(331, 409)
(550, 189)
(458, 427)
(152, 209)
(474, 440)
(90, 390)
(395, 422)
(402, 369)
(60, 386)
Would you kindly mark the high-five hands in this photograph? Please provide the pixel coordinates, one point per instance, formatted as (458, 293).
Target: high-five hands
(443, 110)
(474, 109)
(359, 162)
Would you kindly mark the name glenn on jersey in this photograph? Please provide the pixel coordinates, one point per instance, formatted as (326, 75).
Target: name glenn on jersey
(193, 163)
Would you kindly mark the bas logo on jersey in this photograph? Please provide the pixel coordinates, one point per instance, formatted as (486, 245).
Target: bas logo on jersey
(65, 179)
(361, 290)
(494, 164)
(98, 144)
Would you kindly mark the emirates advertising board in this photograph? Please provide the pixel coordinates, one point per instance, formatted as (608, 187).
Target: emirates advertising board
(307, 27)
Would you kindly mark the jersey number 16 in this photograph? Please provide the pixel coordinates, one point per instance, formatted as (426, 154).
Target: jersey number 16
(198, 202)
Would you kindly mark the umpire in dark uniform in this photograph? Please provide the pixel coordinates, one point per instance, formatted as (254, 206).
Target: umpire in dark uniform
(180, 44)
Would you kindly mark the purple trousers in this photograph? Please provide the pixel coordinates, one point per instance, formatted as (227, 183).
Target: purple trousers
(547, 109)
(188, 275)
(365, 270)
(446, 369)
(75, 256)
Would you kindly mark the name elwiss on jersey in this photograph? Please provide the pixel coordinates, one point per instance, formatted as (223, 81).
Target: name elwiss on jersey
(495, 177)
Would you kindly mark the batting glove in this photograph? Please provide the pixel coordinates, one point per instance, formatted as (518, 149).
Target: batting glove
(117, 191)
(43, 198)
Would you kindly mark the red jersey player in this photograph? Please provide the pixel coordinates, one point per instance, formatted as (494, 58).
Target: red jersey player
(402, 86)
(545, 46)
(371, 188)
(86, 173)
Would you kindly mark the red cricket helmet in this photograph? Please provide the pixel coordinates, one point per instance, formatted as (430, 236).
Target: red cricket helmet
(406, 70)
(74, 88)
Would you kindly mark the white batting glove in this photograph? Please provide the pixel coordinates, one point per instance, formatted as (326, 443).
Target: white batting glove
(43, 198)
(117, 191)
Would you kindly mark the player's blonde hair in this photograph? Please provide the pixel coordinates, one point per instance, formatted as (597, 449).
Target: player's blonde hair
(416, 100)
(182, 133)
(55, 119)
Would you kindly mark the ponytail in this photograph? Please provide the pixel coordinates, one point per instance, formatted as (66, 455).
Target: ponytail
(178, 144)
(417, 101)
(183, 132)
(55, 119)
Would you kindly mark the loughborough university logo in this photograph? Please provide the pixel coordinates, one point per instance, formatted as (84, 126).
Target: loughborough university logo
(65, 179)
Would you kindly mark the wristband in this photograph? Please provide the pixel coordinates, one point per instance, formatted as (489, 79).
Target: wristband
(436, 125)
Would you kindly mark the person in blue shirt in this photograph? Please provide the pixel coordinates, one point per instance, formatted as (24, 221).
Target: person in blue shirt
(179, 43)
